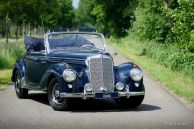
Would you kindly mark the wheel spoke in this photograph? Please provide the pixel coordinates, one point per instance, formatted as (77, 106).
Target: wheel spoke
(17, 84)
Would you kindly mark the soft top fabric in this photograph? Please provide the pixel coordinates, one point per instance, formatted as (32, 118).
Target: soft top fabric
(36, 44)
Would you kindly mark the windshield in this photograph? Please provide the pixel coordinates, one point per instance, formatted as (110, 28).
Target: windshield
(76, 41)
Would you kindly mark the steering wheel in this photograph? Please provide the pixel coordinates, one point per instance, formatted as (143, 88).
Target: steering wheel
(87, 46)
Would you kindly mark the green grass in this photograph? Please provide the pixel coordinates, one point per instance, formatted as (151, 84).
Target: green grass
(176, 82)
(10, 52)
(5, 78)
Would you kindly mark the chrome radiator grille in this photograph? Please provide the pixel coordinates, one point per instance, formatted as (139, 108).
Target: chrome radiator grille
(101, 73)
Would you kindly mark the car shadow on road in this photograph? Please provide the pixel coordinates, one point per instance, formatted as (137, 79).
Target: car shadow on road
(92, 105)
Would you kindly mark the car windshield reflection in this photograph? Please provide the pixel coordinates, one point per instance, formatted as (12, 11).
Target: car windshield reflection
(75, 42)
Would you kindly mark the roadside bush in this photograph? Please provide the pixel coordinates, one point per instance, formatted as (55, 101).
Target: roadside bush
(9, 53)
(165, 54)
(182, 31)
(151, 23)
(170, 56)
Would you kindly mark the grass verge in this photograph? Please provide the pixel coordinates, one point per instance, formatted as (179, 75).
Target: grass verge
(5, 76)
(176, 82)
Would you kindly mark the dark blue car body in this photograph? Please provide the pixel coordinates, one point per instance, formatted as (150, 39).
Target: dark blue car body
(38, 68)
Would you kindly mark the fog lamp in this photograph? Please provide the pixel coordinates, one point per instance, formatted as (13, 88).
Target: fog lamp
(70, 86)
(136, 84)
(119, 86)
(88, 87)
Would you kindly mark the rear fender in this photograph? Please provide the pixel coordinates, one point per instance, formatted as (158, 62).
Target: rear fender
(20, 66)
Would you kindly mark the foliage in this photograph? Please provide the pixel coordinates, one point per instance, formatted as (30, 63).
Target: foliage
(83, 15)
(166, 54)
(5, 76)
(151, 22)
(66, 14)
(35, 13)
(10, 53)
(172, 24)
(182, 32)
(109, 16)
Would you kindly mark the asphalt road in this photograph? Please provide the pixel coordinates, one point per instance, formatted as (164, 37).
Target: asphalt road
(159, 110)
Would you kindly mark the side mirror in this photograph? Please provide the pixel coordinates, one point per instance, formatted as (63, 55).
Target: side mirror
(115, 53)
(23, 54)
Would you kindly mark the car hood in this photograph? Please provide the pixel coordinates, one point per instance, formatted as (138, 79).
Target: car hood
(79, 55)
(70, 57)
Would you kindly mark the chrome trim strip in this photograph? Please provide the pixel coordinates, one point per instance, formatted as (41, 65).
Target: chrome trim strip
(92, 95)
(64, 58)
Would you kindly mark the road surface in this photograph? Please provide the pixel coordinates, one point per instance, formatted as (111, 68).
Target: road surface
(160, 110)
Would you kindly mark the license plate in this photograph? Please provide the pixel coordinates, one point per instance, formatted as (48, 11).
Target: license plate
(106, 95)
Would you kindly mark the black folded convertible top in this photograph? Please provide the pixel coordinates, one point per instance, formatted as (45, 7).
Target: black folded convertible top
(36, 44)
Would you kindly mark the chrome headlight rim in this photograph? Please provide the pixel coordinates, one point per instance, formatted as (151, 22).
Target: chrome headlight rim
(66, 75)
(136, 74)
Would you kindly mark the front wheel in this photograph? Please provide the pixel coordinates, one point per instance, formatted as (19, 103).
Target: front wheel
(20, 92)
(54, 98)
(132, 102)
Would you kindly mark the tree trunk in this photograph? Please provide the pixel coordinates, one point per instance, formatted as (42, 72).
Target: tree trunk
(7, 27)
(165, 2)
(170, 20)
(16, 34)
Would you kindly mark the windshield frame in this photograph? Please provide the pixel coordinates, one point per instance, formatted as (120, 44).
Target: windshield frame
(46, 37)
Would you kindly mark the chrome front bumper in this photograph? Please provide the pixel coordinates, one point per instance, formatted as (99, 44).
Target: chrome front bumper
(92, 95)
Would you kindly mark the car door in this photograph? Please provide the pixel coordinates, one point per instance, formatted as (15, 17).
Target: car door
(36, 65)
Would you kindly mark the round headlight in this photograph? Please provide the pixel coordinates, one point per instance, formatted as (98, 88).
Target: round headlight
(119, 86)
(69, 75)
(136, 74)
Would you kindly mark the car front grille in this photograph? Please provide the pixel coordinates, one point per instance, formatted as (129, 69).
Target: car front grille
(101, 73)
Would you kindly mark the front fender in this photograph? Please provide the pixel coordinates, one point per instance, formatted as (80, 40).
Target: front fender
(57, 71)
(122, 74)
(54, 71)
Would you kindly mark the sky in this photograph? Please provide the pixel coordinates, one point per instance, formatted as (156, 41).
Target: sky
(76, 3)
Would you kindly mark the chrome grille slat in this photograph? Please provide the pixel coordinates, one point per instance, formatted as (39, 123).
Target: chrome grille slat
(101, 73)
(108, 74)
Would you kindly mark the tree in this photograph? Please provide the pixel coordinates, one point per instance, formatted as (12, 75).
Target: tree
(112, 17)
(182, 31)
(66, 15)
(35, 13)
(83, 15)
(116, 16)
(152, 21)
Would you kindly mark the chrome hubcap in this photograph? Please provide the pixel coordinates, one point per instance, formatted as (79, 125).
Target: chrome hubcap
(56, 95)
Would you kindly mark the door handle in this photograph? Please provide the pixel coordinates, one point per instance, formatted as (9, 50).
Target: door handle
(43, 61)
(37, 60)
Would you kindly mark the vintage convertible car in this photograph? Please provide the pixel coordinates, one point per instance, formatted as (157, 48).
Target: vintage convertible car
(71, 65)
